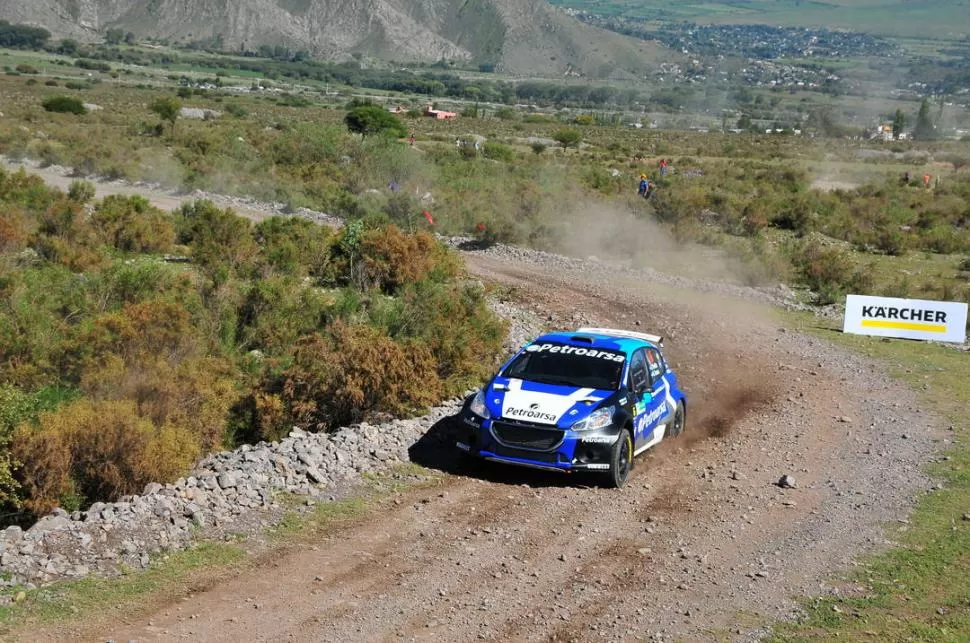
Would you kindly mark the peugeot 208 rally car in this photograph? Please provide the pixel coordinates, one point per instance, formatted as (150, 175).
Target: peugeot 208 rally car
(589, 400)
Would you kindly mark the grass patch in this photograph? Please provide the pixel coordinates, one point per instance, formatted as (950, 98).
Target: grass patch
(920, 590)
(171, 574)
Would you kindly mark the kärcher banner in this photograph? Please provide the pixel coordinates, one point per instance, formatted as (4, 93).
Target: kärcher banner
(941, 321)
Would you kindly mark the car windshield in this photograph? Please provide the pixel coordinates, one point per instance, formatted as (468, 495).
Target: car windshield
(566, 365)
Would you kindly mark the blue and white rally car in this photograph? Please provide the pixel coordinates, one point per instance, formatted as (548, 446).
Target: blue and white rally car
(589, 400)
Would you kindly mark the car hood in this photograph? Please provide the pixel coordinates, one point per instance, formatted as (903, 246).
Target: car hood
(536, 403)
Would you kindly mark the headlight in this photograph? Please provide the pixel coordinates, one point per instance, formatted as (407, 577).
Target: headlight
(596, 420)
(478, 406)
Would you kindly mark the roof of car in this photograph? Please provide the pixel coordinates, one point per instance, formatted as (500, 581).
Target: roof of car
(606, 339)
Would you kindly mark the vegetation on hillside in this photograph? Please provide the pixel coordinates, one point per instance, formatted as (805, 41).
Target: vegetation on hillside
(118, 367)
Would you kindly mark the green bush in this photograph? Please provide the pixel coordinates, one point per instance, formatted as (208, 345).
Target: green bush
(220, 240)
(132, 224)
(498, 152)
(81, 191)
(830, 272)
(65, 105)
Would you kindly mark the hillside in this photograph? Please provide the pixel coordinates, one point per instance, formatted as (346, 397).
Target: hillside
(936, 19)
(518, 36)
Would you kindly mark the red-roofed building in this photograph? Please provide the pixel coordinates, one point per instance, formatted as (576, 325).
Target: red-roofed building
(438, 114)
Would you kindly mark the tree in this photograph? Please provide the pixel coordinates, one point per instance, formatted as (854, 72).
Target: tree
(567, 137)
(899, 124)
(168, 109)
(925, 130)
(68, 47)
(373, 119)
(114, 36)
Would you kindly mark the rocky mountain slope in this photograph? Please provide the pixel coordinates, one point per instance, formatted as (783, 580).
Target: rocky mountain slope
(518, 36)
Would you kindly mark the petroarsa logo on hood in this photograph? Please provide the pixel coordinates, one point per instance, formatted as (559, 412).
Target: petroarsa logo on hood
(565, 349)
(531, 413)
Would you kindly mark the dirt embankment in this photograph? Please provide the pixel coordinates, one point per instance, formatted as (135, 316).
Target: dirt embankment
(701, 541)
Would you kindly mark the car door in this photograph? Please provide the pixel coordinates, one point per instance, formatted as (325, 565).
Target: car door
(649, 407)
(660, 387)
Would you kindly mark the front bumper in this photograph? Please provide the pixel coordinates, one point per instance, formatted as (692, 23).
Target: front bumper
(576, 451)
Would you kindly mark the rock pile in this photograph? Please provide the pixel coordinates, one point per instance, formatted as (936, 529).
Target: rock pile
(229, 492)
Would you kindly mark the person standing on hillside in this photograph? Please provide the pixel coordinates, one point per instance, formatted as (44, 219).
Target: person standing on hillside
(663, 167)
(644, 185)
(926, 180)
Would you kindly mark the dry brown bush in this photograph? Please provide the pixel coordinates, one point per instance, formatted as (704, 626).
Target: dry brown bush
(96, 449)
(393, 258)
(356, 372)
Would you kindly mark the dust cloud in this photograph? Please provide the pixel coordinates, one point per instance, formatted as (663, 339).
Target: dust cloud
(622, 233)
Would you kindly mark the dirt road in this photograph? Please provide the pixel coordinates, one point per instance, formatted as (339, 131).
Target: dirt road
(700, 543)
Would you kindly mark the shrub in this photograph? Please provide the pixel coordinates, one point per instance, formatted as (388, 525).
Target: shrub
(392, 259)
(237, 110)
(13, 230)
(148, 330)
(354, 372)
(307, 144)
(221, 241)
(498, 152)
(293, 246)
(81, 191)
(98, 451)
(132, 224)
(830, 272)
(65, 105)
(194, 395)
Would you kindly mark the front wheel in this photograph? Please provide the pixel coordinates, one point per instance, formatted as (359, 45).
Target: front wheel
(676, 426)
(621, 461)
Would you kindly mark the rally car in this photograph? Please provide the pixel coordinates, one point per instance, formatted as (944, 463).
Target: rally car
(589, 400)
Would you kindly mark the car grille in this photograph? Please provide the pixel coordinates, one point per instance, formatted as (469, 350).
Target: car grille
(549, 457)
(526, 436)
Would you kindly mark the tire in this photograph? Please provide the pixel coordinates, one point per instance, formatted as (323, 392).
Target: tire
(621, 461)
(676, 426)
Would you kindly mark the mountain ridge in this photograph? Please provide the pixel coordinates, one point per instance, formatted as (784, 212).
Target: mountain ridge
(516, 36)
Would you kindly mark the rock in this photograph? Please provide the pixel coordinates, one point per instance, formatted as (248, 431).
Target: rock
(786, 482)
(226, 481)
(13, 533)
(49, 523)
(845, 419)
(314, 475)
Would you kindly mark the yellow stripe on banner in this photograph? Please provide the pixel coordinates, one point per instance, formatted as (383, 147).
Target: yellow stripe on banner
(929, 328)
